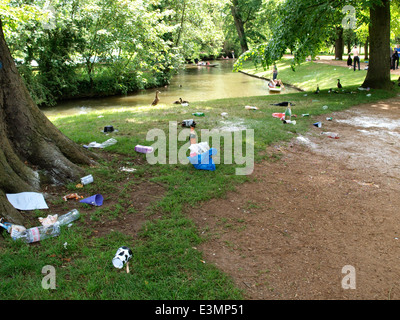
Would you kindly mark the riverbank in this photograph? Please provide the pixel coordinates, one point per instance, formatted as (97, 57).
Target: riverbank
(189, 239)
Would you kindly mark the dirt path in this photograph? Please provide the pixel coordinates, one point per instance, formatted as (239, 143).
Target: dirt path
(326, 204)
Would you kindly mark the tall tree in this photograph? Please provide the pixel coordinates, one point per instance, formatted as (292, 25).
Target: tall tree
(378, 75)
(32, 149)
(305, 25)
(244, 11)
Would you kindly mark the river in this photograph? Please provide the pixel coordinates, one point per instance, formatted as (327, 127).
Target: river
(192, 84)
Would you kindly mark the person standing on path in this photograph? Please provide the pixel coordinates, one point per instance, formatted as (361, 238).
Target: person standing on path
(397, 49)
(356, 57)
(275, 73)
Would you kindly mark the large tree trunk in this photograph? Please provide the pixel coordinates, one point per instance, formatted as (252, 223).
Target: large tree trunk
(32, 149)
(239, 26)
(366, 47)
(378, 75)
(339, 45)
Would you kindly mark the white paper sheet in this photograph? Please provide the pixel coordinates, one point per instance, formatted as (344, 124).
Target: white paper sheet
(27, 200)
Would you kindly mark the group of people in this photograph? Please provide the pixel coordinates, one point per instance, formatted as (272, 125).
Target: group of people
(275, 82)
(394, 57)
(356, 59)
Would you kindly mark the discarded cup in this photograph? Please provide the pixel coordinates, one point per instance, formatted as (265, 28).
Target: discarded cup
(317, 124)
(122, 256)
(87, 179)
(96, 200)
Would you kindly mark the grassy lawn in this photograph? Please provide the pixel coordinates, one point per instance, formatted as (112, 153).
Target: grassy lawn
(166, 263)
(310, 74)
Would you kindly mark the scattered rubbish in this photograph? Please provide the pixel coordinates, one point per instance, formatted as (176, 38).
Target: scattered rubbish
(188, 123)
(27, 200)
(108, 129)
(251, 108)
(317, 124)
(143, 149)
(332, 135)
(65, 245)
(105, 144)
(283, 104)
(325, 107)
(366, 183)
(204, 160)
(79, 185)
(122, 256)
(305, 115)
(368, 95)
(87, 179)
(100, 116)
(289, 121)
(224, 114)
(127, 169)
(67, 218)
(279, 115)
(329, 119)
(288, 113)
(184, 104)
(50, 227)
(37, 233)
(95, 200)
(198, 148)
(305, 95)
(198, 114)
(364, 89)
(49, 220)
(72, 196)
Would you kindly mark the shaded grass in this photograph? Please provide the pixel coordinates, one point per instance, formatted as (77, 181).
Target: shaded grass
(165, 263)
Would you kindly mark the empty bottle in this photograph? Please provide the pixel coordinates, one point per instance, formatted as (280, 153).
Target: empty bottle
(39, 233)
(68, 217)
(288, 113)
(198, 114)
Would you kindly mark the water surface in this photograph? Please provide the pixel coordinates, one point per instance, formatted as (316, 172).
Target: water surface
(192, 84)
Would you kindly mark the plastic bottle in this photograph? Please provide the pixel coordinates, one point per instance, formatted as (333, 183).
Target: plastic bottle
(288, 113)
(39, 233)
(198, 114)
(143, 149)
(68, 217)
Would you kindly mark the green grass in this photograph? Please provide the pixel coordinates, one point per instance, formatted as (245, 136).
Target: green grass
(309, 74)
(165, 263)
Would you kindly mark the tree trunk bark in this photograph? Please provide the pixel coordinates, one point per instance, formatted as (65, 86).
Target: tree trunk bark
(32, 149)
(378, 75)
(239, 26)
(339, 45)
(366, 47)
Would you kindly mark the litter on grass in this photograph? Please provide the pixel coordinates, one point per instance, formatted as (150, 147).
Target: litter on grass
(27, 200)
(104, 144)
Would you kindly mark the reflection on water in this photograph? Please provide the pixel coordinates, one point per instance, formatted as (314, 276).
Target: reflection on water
(192, 84)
